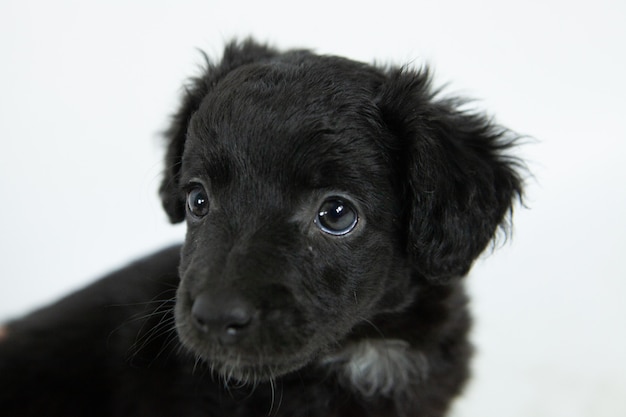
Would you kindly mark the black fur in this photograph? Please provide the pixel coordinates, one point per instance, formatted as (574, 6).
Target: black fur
(279, 311)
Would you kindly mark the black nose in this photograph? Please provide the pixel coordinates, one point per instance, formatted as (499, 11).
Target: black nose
(225, 315)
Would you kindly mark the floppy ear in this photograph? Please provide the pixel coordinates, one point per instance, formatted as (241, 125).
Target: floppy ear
(459, 184)
(235, 55)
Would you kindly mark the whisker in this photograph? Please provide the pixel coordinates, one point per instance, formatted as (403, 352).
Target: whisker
(376, 328)
(273, 395)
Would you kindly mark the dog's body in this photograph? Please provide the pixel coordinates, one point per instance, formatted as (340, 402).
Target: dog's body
(332, 208)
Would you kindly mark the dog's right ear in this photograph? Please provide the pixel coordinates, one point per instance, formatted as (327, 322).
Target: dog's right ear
(459, 180)
(235, 55)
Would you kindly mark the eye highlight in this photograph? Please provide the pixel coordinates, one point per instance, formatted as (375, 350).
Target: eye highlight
(336, 216)
(197, 201)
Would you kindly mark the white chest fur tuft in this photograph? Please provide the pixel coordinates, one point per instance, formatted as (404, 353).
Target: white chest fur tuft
(375, 367)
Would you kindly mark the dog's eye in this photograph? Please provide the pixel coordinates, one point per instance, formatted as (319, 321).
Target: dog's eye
(336, 216)
(197, 201)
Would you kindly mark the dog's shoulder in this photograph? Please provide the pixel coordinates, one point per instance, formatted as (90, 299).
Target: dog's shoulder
(117, 293)
(75, 347)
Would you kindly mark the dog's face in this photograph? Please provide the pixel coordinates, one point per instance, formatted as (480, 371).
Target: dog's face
(304, 218)
(292, 215)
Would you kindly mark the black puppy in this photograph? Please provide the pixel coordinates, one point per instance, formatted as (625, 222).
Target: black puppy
(332, 208)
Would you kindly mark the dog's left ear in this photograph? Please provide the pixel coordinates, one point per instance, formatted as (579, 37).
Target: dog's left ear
(458, 182)
(235, 55)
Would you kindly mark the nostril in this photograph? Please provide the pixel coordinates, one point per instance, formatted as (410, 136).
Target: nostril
(236, 323)
(239, 318)
(201, 312)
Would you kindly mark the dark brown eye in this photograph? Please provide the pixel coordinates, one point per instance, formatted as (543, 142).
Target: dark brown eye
(197, 201)
(336, 216)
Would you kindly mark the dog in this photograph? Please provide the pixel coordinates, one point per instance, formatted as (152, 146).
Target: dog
(332, 209)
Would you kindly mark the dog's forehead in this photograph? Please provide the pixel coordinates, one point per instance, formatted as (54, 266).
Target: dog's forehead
(290, 119)
(317, 93)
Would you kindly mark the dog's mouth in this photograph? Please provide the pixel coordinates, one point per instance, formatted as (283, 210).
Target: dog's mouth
(252, 369)
(244, 364)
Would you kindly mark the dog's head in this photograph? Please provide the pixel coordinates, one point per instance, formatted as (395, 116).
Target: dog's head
(317, 192)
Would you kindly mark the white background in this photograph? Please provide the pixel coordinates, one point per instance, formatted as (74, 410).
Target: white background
(86, 87)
